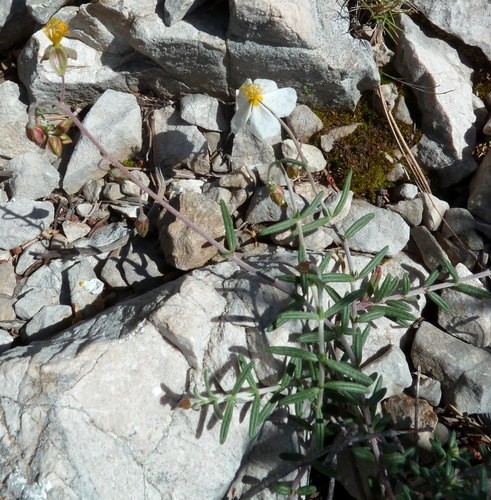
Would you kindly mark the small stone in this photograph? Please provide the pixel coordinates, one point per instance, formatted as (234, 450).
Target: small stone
(238, 179)
(410, 210)
(428, 389)
(84, 209)
(402, 113)
(23, 220)
(397, 174)
(74, 230)
(431, 252)
(304, 122)
(183, 247)
(179, 186)
(405, 191)
(313, 156)
(5, 339)
(129, 211)
(7, 312)
(92, 190)
(33, 300)
(30, 255)
(48, 321)
(129, 188)
(8, 280)
(203, 111)
(112, 191)
(29, 166)
(84, 286)
(248, 150)
(434, 210)
(328, 140)
(389, 94)
(467, 318)
(458, 221)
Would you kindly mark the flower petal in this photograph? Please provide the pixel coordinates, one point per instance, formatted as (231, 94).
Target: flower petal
(266, 85)
(281, 102)
(263, 124)
(241, 116)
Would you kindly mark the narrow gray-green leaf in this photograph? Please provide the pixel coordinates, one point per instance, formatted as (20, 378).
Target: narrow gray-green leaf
(377, 259)
(473, 291)
(340, 385)
(313, 206)
(278, 227)
(438, 300)
(242, 378)
(254, 416)
(337, 278)
(293, 352)
(451, 270)
(344, 194)
(301, 395)
(358, 225)
(227, 419)
(230, 235)
(349, 371)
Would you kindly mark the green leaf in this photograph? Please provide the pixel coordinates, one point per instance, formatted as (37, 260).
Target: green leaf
(371, 316)
(349, 371)
(346, 301)
(432, 277)
(296, 315)
(278, 227)
(243, 366)
(293, 352)
(241, 379)
(254, 416)
(337, 278)
(438, 300)
(406, 284)
(306, 490)
(230, 235)
(313, 206)
(387, 288)
(267, 410)
(324, 469)
(473, 291)
(311, 226)
(344, 194)
(227, 419)
(325, 261)
(341, 385)
(364, 453)
(358, 225)
(451, 270)
(377, 259)
(301, 395)
(282, 489)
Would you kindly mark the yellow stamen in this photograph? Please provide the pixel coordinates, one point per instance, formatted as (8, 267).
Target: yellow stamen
(254, 93)
(55, 30)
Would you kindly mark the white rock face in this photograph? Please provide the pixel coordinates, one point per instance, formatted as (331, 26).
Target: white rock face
(115, 121)
(22, 220)
(469, 20)
(446, 104)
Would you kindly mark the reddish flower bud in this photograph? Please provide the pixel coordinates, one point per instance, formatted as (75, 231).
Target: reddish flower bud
(293, 171)
(184, 404)
(64, 126)
(65, 139)
(37, 135)
(55, 144)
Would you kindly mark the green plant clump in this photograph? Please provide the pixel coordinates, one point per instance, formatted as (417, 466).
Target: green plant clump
(366, 151)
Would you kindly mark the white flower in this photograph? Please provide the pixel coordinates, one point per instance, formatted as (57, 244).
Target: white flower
(257, 101)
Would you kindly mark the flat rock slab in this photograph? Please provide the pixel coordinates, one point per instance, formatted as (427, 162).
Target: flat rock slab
(22, 220)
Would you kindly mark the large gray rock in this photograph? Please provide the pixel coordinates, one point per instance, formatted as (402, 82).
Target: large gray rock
(185, 52)
(15, 24)
(22, 220)
(27, 167)
(302, 45)
(479, 202)
(467, 318)
(13, 121)
(446, 104)
(115, 121)
(41, 11)
(175, 10)
(468, 20)
(463, 370)
(374, 236)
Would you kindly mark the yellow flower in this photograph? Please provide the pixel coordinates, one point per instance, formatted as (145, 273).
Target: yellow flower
(55, 30)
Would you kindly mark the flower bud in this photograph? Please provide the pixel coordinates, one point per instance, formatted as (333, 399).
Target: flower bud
(142, 224)
(58, 59)
(55, 144)
(184, 404)
(65, 139)
(64, 126)
(293, 171)
(277, 194)
(37, 135)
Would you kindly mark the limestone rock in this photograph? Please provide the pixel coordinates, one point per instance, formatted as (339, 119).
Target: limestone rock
(447, 114)
(115, 121)
(22, 220)
(183, 248)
